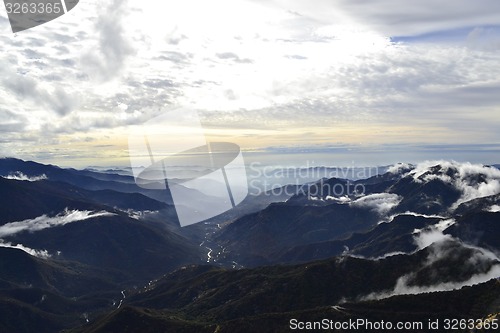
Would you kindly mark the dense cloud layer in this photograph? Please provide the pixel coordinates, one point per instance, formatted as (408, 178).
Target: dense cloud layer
(273, 73)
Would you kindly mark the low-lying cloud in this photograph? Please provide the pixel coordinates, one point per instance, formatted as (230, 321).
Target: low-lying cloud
(427, 216)
(343, 200)
(472, 180)
(44, 254)
(494, 209)
(402, 287)
(381, 203)
(382, 257)
(426, 238)
(45, 222)
(140, 214)
(21, 176)
(442, 247)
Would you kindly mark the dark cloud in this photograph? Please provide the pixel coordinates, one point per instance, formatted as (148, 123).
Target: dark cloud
(11, 122)
(113, 48)
(396, 18)
(61, 102)
(27, 90)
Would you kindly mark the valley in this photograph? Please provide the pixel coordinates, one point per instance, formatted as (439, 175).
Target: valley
(84, 251)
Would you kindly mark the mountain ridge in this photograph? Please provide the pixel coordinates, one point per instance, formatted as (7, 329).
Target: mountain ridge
(106, 259)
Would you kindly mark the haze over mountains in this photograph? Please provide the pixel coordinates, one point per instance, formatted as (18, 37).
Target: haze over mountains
(89, 251)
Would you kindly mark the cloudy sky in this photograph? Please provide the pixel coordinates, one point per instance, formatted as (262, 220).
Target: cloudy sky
(336, 82)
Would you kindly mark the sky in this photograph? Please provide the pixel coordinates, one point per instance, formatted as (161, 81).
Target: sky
(321, 82)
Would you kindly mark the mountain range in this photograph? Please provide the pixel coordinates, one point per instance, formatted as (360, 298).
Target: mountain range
(90, 251)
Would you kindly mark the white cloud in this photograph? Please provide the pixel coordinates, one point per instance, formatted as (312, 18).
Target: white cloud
(494, 209)
(399, 168)
(441, 247)
(44, 254)
(471, 191)
(45, 222)
(402, 287)
(444, 224)
(382, 203)
(418, 215)
(387, 255)
(472, 180)
(440, 250)
(21, 176)
(342, 200)
(140, 214)
(426, 238)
